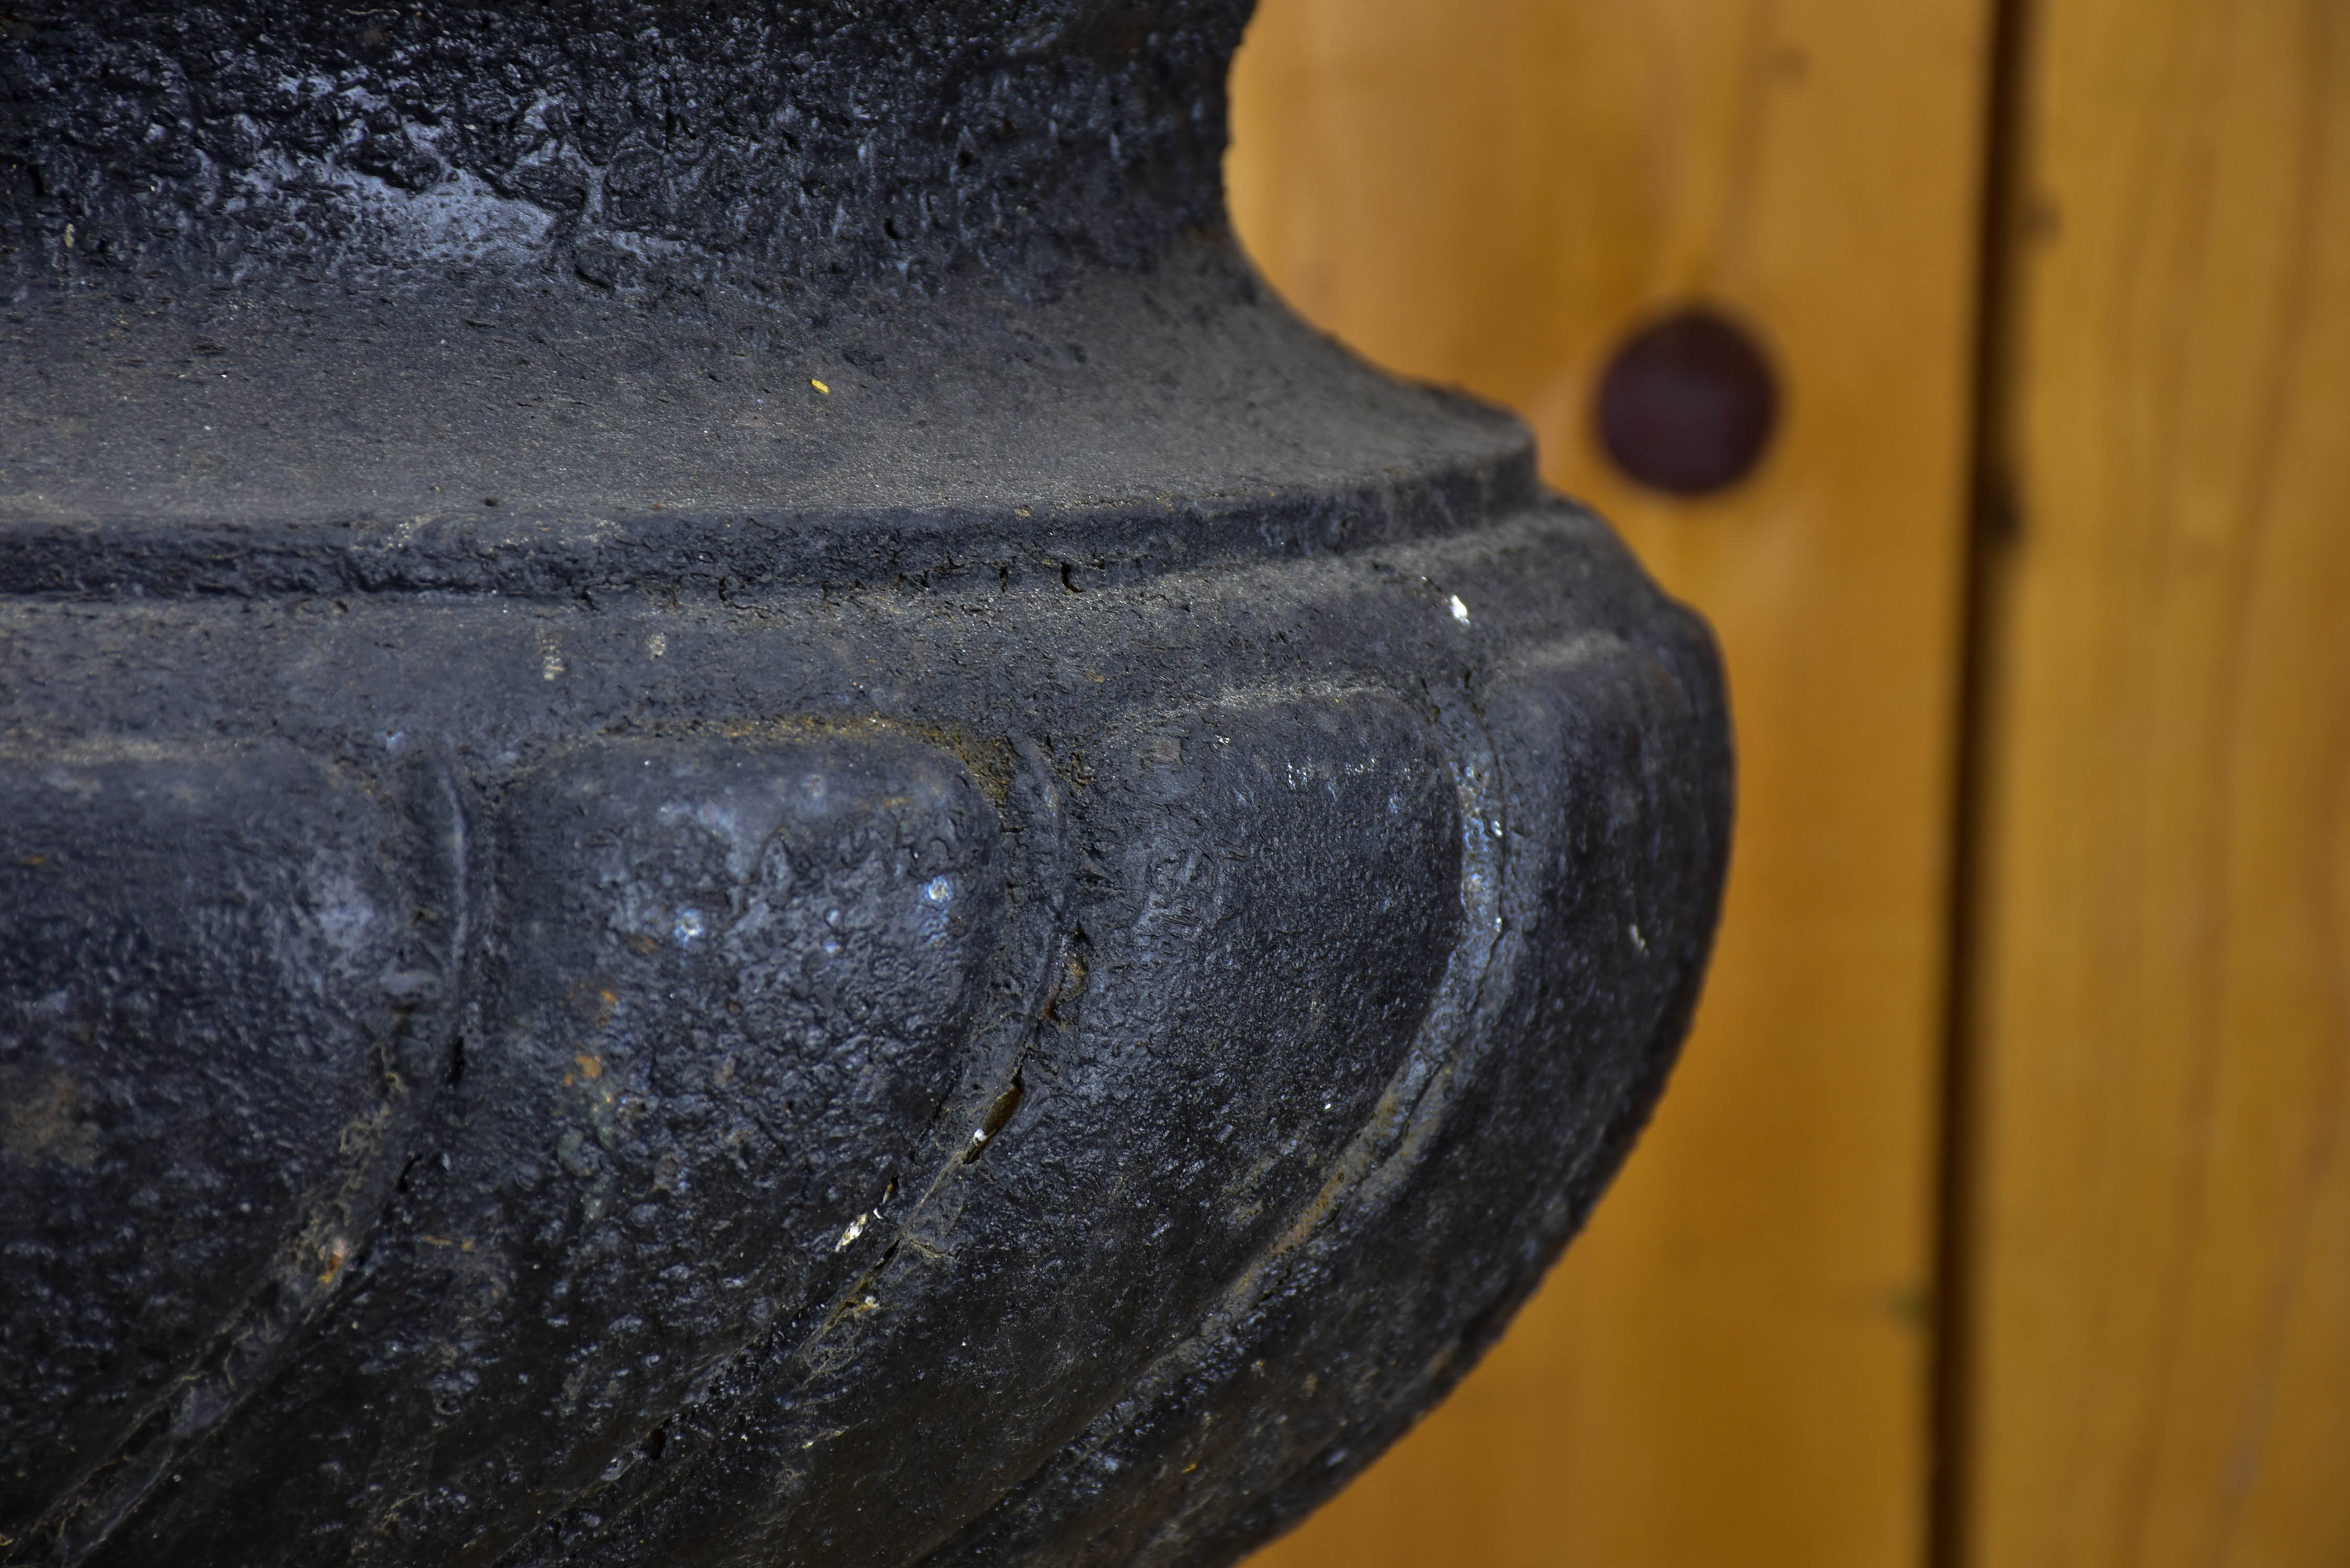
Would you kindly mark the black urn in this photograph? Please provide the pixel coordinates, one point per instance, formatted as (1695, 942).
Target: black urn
(744, 820)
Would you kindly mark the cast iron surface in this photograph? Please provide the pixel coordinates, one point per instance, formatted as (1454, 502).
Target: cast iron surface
(742, 819)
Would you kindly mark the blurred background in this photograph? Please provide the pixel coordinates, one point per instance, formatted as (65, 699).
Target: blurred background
(1998, 1214)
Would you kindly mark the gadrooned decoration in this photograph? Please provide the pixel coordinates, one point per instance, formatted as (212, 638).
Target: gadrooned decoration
(744, 819)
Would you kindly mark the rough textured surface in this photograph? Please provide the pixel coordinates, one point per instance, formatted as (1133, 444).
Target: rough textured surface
(761, 142)
(1018, 958)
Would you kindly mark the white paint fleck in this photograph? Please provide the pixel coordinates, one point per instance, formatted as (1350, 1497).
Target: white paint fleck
(690, 925)
(1460, 610)
(658, 644)
(940, 890)
(856, 1229)
(1638, 939)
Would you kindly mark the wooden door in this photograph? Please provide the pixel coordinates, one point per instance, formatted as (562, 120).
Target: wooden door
(2158, 1326)
(2033, 979)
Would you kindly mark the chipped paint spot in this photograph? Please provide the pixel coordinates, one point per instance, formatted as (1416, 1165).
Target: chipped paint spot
(41, 1119)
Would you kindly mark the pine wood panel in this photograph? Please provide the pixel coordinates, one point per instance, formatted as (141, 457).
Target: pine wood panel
(1732, 1367)
(2161, 1355)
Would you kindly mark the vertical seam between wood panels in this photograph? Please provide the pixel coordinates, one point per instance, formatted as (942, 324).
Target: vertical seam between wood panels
(1992, 524)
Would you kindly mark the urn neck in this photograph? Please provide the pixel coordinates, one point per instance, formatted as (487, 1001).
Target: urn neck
(904, 141)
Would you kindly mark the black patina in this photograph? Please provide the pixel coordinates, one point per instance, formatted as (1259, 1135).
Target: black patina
(742, 819)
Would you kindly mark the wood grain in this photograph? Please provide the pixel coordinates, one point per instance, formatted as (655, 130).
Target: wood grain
(2161, 1361)
(1732, 1367)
